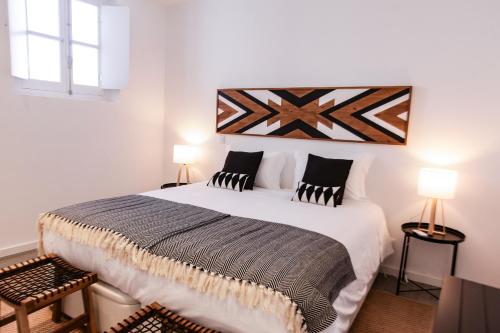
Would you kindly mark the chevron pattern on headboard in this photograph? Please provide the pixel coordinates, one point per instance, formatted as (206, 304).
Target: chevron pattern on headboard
(357, 114)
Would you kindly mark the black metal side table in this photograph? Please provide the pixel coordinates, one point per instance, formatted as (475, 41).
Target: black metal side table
(453, 237)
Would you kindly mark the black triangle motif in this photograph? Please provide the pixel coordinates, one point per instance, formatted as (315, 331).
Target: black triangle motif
(214, 178)
(327, 195)
(304, 100)
(235, 180)
(221, 178)
(299, 125)
(242, 182)
(337, 195)
(309, 192)
(317, 193)
(301, 189)
(229, 176)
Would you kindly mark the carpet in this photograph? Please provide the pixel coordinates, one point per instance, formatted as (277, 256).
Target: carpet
(40, 321)
(382, 312)
(385, 312)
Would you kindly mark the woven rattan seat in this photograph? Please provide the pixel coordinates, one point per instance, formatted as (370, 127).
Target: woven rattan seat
(36, 278)
(40, 282)
(156, 318)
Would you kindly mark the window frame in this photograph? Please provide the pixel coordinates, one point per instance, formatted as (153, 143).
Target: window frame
(40, 85)
(66, 85)
(77, 88)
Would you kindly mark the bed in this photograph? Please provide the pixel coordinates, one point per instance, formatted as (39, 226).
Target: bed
(358, 224)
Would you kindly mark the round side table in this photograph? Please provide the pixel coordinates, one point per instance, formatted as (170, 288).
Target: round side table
(453, 237)
(170, 185)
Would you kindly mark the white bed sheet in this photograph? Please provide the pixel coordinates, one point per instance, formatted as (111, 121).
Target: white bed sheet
(359, 225)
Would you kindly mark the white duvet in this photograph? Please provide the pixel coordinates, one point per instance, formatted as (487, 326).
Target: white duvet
(359, 225)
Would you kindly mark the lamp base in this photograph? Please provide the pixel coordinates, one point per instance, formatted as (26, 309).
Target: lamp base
(431, 230)
(442, 233)
(181, 166)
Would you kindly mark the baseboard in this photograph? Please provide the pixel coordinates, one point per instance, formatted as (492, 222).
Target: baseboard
(430, 280)
(17, 249)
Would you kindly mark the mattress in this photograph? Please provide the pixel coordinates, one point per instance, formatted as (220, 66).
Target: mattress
(359, 225)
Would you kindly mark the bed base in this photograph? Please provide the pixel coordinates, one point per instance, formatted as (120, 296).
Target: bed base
(112, 304)
(360, 304)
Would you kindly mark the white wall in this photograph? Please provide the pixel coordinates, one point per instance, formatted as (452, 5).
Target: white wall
(60, 151)
(448, 50)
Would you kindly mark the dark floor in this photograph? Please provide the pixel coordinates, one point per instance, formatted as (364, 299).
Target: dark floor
(389, 283)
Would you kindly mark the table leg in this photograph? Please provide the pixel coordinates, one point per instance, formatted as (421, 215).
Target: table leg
(57, 311)
(402, 265)
(23, 325)
(454, 260)
(407, 253)
(88, 304)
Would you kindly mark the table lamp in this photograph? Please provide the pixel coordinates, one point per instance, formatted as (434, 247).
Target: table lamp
(436, 185)
(184, 155)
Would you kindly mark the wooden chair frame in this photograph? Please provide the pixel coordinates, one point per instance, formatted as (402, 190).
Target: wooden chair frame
(144, 313)
(53, 297)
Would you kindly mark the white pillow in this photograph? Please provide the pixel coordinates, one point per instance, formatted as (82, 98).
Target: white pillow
(269, 173)
(355, 186)
(270, 169)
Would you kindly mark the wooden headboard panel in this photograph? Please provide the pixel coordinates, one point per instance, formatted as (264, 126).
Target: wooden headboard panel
(354, 114)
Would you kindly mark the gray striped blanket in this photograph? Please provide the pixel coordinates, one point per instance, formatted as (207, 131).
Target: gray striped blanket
(305, 266)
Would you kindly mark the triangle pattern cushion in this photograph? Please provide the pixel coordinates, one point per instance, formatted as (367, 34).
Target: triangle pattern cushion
(246, 163)
(229, 180)
(215, 178)
(327, 172)
(319, 195)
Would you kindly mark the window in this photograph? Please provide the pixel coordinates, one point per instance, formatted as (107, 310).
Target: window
(84, 43)
(70, 46)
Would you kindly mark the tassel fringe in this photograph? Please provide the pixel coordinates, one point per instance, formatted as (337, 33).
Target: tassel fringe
(117, 246)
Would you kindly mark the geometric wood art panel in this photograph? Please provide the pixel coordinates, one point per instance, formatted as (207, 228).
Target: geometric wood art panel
(356, 114)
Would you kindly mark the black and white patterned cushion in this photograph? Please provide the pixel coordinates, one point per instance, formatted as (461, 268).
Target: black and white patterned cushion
(229, 180)
(327, 172)
(319, 195)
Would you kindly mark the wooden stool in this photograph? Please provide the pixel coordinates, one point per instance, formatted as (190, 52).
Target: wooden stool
(156, 318)
(40, 282)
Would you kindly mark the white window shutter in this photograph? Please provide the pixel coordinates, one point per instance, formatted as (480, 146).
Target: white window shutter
(115, 46)
(18, 30)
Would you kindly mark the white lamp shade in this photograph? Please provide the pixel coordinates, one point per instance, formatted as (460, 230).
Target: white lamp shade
(437, 183)
(184, 154)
